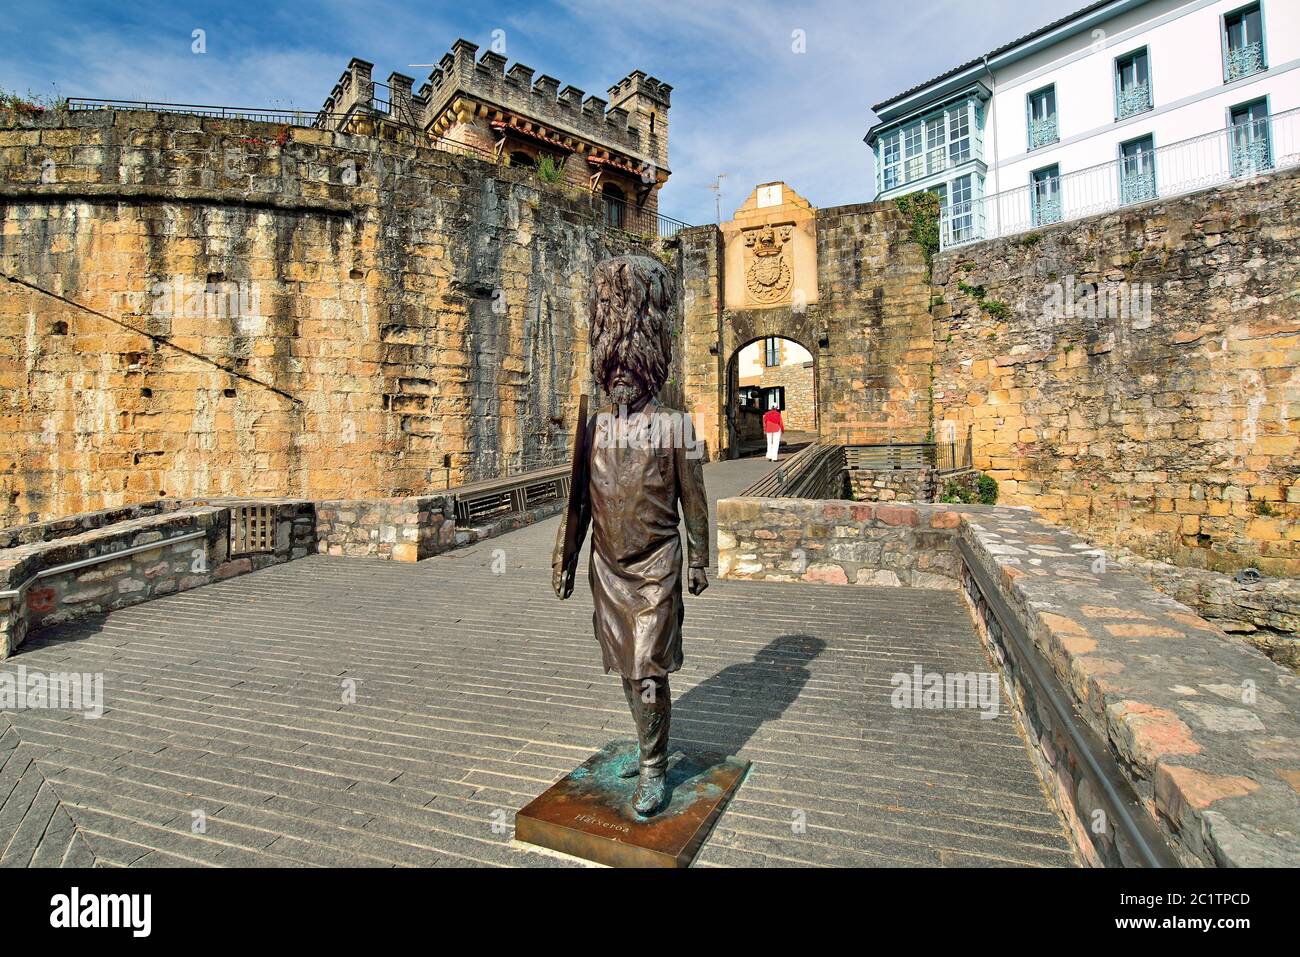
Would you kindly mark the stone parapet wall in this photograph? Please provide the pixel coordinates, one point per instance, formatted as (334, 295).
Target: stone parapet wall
(1208, 743)
(1134, 375)
(1264, 613)
(892, 485)
(837, 542)
(82, 522)
(150, 562)
(34, 600)
(401, 529)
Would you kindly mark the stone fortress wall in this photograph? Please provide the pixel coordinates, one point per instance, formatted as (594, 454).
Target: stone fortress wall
(421, 321)
(285, 311)
(1136, 376)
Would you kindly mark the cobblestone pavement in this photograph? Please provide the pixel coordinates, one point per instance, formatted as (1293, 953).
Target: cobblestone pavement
(227, 740)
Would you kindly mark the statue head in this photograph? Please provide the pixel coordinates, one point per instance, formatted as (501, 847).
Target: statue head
(631, 332)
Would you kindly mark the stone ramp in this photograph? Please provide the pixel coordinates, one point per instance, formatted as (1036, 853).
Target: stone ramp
(35, 829)
(230, 734)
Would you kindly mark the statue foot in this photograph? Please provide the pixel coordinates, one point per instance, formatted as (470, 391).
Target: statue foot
(651, 791)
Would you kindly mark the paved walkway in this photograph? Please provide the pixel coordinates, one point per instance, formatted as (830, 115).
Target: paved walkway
(230, 736)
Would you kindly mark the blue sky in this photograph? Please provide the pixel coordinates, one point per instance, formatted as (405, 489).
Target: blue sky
(744, 102)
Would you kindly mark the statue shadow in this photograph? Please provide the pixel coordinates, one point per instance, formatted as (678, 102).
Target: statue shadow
(724, 711)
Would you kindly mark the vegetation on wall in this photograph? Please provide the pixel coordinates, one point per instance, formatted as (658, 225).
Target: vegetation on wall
(30, 105)
(985, 492)
(922, 211)
(548, 169)
(994, 307)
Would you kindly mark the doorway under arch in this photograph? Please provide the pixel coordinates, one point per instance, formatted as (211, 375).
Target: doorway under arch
(768, 372)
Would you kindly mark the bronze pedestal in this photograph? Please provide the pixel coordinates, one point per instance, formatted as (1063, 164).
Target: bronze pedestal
(588, 813)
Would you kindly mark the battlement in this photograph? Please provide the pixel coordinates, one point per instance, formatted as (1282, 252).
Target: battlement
(637, 82)
(467, 87)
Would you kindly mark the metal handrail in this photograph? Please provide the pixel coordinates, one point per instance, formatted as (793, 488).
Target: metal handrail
(98, 559)
(812, 472)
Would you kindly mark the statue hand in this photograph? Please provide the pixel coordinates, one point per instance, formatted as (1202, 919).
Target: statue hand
(699, 581)
(561, 581)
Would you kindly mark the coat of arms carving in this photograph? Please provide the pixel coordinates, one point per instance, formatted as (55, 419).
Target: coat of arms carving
(768, 276)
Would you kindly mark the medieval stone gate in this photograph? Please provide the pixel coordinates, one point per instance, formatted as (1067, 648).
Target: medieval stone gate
(845, 283)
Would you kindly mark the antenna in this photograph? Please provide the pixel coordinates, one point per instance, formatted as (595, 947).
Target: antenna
(716, 186)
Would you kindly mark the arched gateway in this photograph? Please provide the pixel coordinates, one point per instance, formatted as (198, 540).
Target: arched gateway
(846, 284)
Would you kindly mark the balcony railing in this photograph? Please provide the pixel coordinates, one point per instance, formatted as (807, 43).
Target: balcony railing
(1047, 211)
(1043, 132)
(1245, 60)
(1178, 168)
(1133, 100)
(1137, 186)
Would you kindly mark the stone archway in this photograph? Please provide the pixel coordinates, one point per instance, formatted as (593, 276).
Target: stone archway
(847, 283)
(745, 431)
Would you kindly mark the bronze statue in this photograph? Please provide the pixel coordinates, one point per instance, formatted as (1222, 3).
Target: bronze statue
(632, 465)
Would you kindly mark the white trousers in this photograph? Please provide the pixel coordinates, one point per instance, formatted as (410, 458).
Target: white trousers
(773, 444)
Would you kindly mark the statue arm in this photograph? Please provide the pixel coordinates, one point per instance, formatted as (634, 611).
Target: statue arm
(562, 572)
(695, 507)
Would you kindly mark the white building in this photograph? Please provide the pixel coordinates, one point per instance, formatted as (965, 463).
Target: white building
(1121, 102)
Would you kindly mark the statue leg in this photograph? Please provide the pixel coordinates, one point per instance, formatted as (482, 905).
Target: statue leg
(651, 704)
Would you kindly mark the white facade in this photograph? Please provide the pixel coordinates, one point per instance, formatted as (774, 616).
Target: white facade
(1105, 138)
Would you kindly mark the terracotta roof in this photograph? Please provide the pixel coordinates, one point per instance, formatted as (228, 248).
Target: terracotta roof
(542, 136)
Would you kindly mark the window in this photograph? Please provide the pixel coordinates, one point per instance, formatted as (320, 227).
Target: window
(961, 210)
(1252, 149)
(771, 352)
(1243, 43)
(1045, 194)
(925, 147)
(958, 135)
(522, 160)
(913, 152)
(889, 156)
(615, 207)
(1043, 128)
(1132, 84)
(1137, 176)
(936, 134)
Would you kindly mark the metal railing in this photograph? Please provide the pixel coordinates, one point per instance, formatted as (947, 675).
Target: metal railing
(620, 214)
(485, 501)
(257, 114)
(894, 455)
(945, 456)
(955, 454)
(815, 471)
(1238, 152)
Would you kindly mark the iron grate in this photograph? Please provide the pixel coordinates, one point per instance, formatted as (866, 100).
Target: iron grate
(252, 529)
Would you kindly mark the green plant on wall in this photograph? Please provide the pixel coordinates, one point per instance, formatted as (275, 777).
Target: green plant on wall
(922, 212)
(994, 307)
(987, 489)
(30, 105)
(548, 170)
(985, 492)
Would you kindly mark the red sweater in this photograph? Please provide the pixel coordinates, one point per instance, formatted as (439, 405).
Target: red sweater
(772, 421)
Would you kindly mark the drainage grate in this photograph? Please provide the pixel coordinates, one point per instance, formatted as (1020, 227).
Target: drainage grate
(252, 529)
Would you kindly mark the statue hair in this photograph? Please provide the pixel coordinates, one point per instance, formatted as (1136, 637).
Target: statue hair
(631, 309)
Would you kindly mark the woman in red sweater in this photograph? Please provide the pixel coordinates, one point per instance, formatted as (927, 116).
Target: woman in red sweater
(772, 426)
